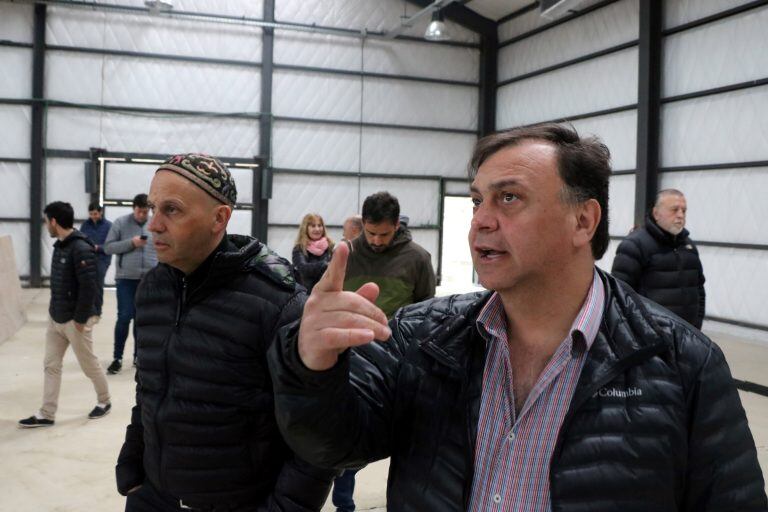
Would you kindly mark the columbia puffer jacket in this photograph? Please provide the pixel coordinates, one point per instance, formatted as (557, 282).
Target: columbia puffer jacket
(74, 279)
(203, 428)
(655, 423)
(665, 268)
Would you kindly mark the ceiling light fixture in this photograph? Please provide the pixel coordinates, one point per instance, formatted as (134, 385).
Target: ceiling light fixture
(437, 30)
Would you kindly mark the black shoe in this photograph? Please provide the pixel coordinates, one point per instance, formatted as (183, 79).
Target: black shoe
(99, 412)
(34, 422)
(115, 367)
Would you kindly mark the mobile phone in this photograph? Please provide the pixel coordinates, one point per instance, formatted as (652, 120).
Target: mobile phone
(143, 237)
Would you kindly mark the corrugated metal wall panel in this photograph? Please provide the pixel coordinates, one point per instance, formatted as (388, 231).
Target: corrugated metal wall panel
(16, 78)
(16, 121)
(16, 22)
(677, 12)
(618, 132)
(333, 197)
(423, 60)
(598, 84)
(419, 199)
(317, 50)
(617, 23)
(316, 96)
(621, 204)
(315, 146)
(15, 178)
(722, 53)
(65, 181)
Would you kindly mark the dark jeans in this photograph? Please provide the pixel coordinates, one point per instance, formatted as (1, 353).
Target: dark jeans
(149, 499)
(126, 311)
(343, 489)
(101, 268)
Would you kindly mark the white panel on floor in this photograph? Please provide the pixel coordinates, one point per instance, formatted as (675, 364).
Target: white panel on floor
(17, 22)
(618, 132)
(15, 178)
(724, 206)
(122, 181)
(152, 34)
(716, 54)
(616, 23)
(16, 121)
(598, 84)
(317, 50)
(418, 59)
(314, 146)
(16, 78)
(606, 261)
(316, 95)
(678, 12)
(458, 188)
(419, 199)
(332, 197)
(429, 239)
(736, 283)
(530, 20)
(716, 129)
(19, 232)
(621, 204)
(419, 104)
(162, 84)
(240, 222)
(65, 181)
(416, 152)
(372, 15)
(219, 136)
(281, 240)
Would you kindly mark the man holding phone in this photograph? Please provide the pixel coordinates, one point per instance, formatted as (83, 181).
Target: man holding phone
(130, 241)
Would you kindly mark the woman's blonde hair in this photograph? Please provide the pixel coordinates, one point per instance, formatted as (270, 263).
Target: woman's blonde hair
(303, 237)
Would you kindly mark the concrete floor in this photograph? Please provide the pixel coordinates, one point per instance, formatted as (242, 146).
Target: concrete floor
(70, 467)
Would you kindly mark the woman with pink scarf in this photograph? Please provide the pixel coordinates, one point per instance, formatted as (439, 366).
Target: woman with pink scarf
(312, 251)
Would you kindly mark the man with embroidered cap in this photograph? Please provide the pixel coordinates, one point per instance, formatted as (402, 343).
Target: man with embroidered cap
(558, 389)
(203, 435)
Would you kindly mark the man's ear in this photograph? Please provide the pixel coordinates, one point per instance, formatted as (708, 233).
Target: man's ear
(588, 215)
(222, 214)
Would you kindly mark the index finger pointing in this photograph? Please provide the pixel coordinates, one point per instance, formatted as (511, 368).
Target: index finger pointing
(333, 278)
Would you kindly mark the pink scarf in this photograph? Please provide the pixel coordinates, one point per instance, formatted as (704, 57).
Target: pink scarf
(318, 247)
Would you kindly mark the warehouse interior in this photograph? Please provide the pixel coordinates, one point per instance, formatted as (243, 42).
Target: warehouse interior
(316, 104)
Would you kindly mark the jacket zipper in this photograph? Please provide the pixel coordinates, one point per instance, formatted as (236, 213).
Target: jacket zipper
(179, 310)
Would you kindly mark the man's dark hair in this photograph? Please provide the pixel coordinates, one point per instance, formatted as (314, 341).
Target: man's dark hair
(381, 206)
(61, 212)
(94, 207)
(140, 201)
(583, 164)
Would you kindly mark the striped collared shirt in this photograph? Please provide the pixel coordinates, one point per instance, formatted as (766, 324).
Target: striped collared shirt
(512, 455)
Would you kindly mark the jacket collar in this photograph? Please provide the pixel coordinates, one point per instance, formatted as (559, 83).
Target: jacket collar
(74, 235)
(662, 236)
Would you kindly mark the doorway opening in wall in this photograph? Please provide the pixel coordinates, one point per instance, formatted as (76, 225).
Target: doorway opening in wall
(458, 275)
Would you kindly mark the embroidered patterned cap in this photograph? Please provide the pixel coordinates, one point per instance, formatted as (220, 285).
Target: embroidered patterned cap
(206, 172)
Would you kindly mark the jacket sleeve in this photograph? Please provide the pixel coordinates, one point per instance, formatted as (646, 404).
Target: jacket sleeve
(628, 263)
(702, 299)
(114, 244)
(87, 281)
(425, 281)
(723, 471)
(340, 417)
(300, 486)
(310, 271)
(129, 471)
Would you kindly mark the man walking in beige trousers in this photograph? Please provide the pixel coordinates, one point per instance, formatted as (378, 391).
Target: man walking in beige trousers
(74, 286)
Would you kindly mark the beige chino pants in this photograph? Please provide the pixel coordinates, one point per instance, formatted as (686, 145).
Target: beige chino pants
(57, 338)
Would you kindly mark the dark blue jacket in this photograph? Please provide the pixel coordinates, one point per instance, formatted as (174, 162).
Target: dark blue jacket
(97, 233)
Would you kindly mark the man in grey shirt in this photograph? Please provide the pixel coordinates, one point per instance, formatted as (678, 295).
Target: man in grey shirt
(131, 242)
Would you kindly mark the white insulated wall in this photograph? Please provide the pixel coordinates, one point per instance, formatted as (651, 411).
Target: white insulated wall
(339, 117)
(16, 122)
(727, 129)
(594, 85)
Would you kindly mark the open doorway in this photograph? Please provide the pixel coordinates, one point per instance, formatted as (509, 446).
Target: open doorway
(458, 275)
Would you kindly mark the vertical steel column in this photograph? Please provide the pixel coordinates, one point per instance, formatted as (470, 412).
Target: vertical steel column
(486, 118)
(440, 231)
(648, 107)
(37, 167)
(262, 179)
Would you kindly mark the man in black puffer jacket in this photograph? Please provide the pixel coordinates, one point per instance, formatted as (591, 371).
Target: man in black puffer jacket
(560, 389)
(72, 310)
(203, 432)
(659, 260)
